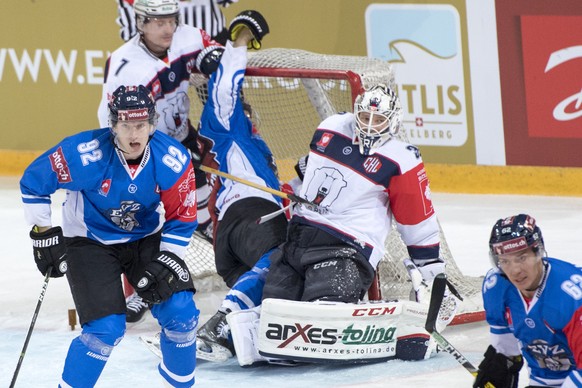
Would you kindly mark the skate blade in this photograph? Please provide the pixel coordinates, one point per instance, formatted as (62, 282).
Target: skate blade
(153, 344)
(211, 352)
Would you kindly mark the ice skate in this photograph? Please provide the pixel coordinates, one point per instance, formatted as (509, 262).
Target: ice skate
(213, 342)
(136, 308)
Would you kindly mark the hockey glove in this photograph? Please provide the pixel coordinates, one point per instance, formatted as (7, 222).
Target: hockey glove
(165, 275)
(191, 144)
(252, 20)
(301, 166)
(497, 370)
(208, 60)
(49, 251)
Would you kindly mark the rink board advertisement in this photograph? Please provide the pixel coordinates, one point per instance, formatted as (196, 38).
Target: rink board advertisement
(540, 54)
(328, 331)
(427, 47)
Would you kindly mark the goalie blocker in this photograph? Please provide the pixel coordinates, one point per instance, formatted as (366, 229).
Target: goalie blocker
(331, 332)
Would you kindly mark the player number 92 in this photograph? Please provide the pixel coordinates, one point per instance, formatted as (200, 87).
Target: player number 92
(175, 159)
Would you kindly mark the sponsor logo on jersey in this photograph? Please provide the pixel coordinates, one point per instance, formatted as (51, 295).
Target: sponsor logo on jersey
(60, 166)
(372, 164)
(156, 89)
(324, 141)
(187, 193)
(105, 186)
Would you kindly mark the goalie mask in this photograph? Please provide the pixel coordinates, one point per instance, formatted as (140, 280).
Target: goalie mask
(132, 103)
(378, 118)
(514, 234)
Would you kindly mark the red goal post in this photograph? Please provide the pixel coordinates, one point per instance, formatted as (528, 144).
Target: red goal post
(291, 92)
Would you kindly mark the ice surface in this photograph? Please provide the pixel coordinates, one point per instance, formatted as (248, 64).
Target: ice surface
(465, 219)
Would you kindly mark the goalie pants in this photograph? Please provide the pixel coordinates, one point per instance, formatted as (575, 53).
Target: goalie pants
(240, 242)
(314, 265)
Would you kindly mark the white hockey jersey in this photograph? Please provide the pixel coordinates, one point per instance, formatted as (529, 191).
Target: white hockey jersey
(357, 195)
(133, 64)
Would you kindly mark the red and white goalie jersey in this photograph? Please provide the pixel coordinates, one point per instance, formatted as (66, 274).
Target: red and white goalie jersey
(357, 195)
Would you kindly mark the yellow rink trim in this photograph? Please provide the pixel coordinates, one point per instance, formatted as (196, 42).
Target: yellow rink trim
(522, 180)
(448, 178)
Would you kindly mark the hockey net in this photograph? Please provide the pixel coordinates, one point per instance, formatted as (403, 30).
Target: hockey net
(291, 91)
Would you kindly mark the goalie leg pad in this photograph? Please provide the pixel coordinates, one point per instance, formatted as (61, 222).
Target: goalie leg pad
(244, 329)
(329, 332)
(414, 343)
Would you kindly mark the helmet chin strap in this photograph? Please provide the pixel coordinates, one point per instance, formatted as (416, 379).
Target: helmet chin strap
(542, 278)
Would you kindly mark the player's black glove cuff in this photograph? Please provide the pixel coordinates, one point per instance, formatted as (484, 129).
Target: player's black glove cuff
(498, 370)
(255, 22)
(191, 143)
(301, 166)
(49, 251)
(208, 59)
(165, 275)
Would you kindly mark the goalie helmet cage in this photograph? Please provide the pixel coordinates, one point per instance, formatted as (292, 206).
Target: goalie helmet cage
(291, 92)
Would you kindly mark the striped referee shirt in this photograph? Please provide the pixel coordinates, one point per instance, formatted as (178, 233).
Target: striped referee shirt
(204, 14)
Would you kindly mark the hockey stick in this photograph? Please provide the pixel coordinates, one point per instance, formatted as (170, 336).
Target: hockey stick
(436, 298)
(270, 216)
(34, 316)
(278, 193)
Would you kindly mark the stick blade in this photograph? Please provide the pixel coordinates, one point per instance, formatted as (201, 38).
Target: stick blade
(436, 299)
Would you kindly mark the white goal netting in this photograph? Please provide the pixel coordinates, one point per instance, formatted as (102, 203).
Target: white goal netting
(291, 91)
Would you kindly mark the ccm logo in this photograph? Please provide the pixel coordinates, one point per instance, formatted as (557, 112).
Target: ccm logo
(373, 311)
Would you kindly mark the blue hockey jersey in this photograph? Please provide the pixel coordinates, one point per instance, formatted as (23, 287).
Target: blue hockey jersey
(547, 330)
(237, 147)
(109, 201)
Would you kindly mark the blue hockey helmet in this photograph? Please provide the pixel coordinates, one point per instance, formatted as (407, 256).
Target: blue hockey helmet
(514, 234)
(132, 103)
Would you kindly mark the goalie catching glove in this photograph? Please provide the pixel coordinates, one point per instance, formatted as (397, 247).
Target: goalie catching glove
(49, 251)
(165, 275)
(252, 20)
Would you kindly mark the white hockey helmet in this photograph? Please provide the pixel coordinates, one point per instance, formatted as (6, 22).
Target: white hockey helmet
(156, 8)
(378, 118)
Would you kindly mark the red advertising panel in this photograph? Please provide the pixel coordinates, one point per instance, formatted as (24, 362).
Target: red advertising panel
(552, 61)
(540, 63)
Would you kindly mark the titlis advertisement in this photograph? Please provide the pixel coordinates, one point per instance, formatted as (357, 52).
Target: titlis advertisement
(330, 331)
